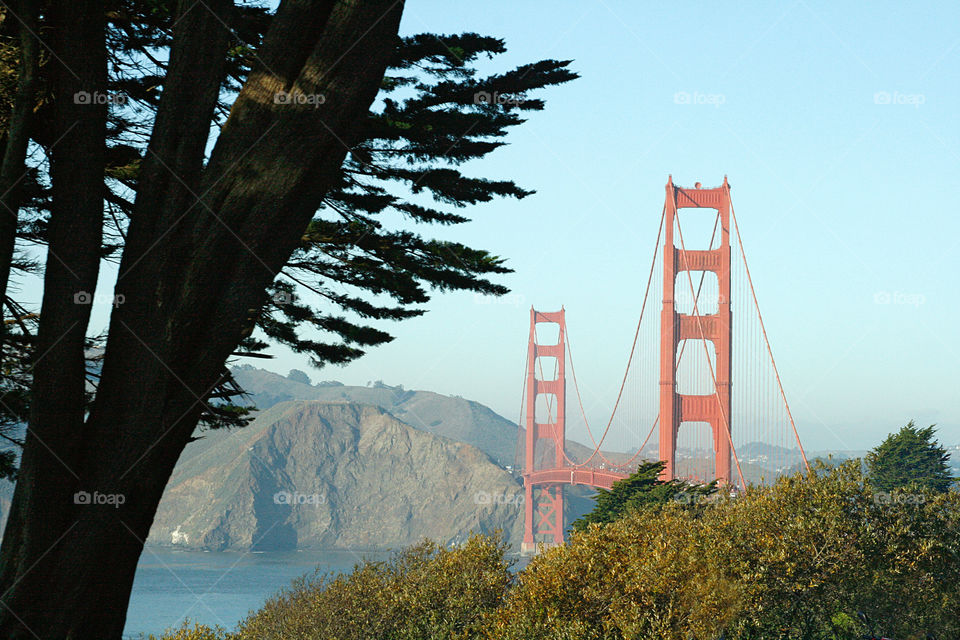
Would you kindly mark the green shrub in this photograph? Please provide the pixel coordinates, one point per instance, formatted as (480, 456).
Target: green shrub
(186, 632)
(798, 560)
(426, 591)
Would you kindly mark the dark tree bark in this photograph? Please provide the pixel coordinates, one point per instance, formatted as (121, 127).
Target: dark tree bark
(55, 439)
(201, 248)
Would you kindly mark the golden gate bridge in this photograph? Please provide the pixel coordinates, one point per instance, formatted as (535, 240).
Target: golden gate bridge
(718, 407)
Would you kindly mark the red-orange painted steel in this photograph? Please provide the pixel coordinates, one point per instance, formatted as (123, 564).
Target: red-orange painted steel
(545, 516)
(543, 483)
(598, 478)
(714, 408)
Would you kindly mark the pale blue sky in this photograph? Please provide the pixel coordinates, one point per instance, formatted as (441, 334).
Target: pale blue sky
(836, 124)
(839, 198)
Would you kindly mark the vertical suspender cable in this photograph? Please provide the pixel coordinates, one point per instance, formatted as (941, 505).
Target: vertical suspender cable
(763, 329)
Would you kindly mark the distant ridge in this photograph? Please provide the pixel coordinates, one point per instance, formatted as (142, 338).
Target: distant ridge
(448, 416)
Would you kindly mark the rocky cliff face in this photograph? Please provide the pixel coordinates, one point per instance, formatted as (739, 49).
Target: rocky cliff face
(324, 475)
(448, 416)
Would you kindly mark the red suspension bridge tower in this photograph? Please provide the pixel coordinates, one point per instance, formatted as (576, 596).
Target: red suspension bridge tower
(547, 468)
(545, 516)
(713, 408)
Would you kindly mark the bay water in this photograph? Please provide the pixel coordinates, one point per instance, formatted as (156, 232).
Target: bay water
(219, 588)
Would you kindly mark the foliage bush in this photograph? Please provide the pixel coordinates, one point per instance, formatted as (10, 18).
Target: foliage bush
(187, 632)
(631, 578)
(426, 591)
(802, 559)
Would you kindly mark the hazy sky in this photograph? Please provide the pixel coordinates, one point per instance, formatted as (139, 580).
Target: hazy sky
(838, 130)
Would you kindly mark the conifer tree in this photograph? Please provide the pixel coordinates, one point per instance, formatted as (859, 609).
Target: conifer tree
(644, 488)
(912, 457)
(229, 158)
(433, 113)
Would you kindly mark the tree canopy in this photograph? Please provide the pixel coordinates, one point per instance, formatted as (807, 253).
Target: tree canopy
(912, 457)
(642, 489)
(359, 261)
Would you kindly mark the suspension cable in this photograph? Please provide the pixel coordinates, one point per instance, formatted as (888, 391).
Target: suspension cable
(764, 330)
(633, 347)
(520, 420)
(713, 234)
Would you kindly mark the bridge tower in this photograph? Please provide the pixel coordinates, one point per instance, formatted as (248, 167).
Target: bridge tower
(543, 504)
(713, 408)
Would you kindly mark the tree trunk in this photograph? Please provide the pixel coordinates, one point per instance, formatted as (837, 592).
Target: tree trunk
(54, 443)
(200, 252)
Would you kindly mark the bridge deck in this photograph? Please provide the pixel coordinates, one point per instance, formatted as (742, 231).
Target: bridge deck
(600, 478)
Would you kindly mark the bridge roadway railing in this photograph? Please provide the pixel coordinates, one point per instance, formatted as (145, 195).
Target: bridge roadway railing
(599, 478)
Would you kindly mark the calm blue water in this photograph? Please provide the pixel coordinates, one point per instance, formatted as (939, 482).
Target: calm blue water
(218, 588)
